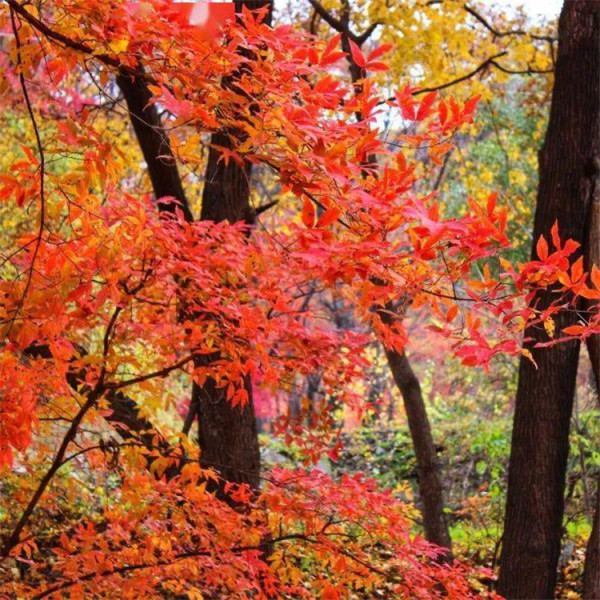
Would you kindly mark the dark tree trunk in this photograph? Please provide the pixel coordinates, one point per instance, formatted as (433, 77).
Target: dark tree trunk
(540, 440)
(430, 480)
(228, 435)
(591, 573)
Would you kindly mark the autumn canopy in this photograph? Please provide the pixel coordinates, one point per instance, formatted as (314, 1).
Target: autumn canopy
(186, 194)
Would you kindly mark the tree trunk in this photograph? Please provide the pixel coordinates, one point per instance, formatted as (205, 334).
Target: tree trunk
(591, 572)
(228, 435)
(540, 440)
(430, 480)
(430, 477)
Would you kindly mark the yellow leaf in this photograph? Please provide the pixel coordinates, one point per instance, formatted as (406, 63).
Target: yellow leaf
(118, 46)
(549, 326)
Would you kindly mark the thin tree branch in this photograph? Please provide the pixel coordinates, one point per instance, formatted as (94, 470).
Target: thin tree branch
(63, 40)
(331, 20)
(528, 71)
(363, 37)
(482, 67)
(38, 240)
(160, 373)
(498, 33)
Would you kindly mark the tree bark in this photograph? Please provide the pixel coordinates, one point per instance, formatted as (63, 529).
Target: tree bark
(591, 572)
(540, 440)
(228, 435)
(430, 479)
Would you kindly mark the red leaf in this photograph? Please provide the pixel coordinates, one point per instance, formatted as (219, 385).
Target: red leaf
(425, 107)
(308, 213)
(329, 55)
(471, 104)
(328, 217)
(357, 56)
(379, 51)
(491, 203)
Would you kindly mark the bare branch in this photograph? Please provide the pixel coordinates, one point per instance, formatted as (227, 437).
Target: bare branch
(482, 67)
(498, 33)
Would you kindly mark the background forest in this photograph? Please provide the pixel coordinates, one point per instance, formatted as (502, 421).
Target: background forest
(285, 291)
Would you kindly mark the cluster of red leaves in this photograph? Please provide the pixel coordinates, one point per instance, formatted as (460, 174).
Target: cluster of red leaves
(109, 287)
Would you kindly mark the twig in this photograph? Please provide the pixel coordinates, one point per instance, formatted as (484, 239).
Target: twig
(42, 167)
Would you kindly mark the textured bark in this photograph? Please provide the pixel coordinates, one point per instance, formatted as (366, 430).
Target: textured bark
(592, 257)
(228, 435)
(430, 480)
(591, 573)
(540, 440)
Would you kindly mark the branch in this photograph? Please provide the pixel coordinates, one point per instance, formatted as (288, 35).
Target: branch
(482, 67)
(528, 71)
(265, 207)
(141, 378)
(57, 462)
(200, 552)
(331, 20)
(497, 33)
(154, 143)
(341, 27)
(63, 40)
(363, 37)
(488, 62)
(38, 240)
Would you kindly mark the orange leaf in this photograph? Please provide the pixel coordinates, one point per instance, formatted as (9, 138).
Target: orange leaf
(596, 277)
(451, 314)
(328, 217)
(308, 213)
(329, 592)
(574, 330)
(542, 248)
(577, 270)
